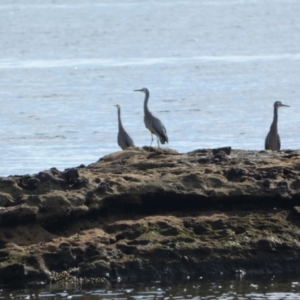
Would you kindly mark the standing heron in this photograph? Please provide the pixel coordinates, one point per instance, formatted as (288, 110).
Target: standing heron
(124, 140)
(153, 123)
(272, 141)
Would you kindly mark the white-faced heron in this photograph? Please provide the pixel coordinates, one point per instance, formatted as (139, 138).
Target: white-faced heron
(272, 141)
(124, 140)
(153, 123)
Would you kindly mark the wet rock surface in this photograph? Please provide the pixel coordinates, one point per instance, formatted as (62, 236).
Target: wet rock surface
(153, 214)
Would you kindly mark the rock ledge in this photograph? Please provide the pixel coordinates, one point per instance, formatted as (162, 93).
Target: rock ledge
(153, 214)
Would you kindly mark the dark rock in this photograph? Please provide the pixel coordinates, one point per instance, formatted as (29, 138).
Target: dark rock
(12, 274)
(127, 249)
(272, 174)
(28, 182)
(33, 183)
(6, 200)
(7, 181)
(80, 183)
(235, 173)
(283, 184)
(78, 253)
(90, 198)
(220, 156)
(112, 240)
(257, 176)
(91, 251)
(35, 277)
(46, 176)
(3, 255)
(17, 215)
(113, 274)
(138, 242)
(43, 208)
(267, 183)
(94, 270)
(97, 180)
(199, 151)
(131, 234)
(204, 160)
(296, 209)
(266, 245)
(149, 149)
(2, 244)
(239, 230)
(55, 172)
(89, 195)
(59, 261)
(171, 231)
(102, 186)
(289, 173)
(200, 229)
(34, 199)
(19, 200)
(295, 185)
(82, 166)
(226, 150)
(71, 175)
(22, 182)
(64, 245)
(32, 261)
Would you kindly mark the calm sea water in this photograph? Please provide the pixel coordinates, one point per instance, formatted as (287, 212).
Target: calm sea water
(213, 68)
(263, 289)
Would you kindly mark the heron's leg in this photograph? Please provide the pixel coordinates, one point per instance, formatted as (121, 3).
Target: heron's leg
(157, 142)
(151, 139)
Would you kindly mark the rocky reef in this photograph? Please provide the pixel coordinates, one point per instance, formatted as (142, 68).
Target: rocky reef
(153, 214)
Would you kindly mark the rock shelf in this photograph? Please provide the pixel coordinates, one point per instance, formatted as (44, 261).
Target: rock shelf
(153, 214)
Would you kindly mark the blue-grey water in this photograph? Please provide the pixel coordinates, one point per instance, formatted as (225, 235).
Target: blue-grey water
(213, 67)
(262, 289)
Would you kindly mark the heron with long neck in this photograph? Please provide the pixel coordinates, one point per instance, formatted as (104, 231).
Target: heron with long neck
(272, 141)
(152, 123)
(124, 140)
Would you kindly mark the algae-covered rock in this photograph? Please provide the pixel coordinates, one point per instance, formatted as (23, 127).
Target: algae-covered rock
(20, 214)
(5, 200)
(153, 214)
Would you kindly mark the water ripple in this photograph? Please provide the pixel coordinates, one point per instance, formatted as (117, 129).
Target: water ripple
(62, 63)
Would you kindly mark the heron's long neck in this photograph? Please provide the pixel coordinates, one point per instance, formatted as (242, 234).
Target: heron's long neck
(119, 119)
(275, 119)
(146, 110)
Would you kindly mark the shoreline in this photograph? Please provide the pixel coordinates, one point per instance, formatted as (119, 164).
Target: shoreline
(151, 214)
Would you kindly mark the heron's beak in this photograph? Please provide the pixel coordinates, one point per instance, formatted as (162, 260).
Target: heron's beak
(137, 90)
(285, 105)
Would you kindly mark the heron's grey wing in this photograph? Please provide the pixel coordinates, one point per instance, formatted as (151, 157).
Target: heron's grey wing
(278, 141)
(160, 129)
(267, 142)
(128, 140)
(121, 141)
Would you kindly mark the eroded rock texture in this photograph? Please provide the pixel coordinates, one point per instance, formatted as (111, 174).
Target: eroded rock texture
(154, 214)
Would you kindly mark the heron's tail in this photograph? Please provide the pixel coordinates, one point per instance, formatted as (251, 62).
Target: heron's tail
(164, 139)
